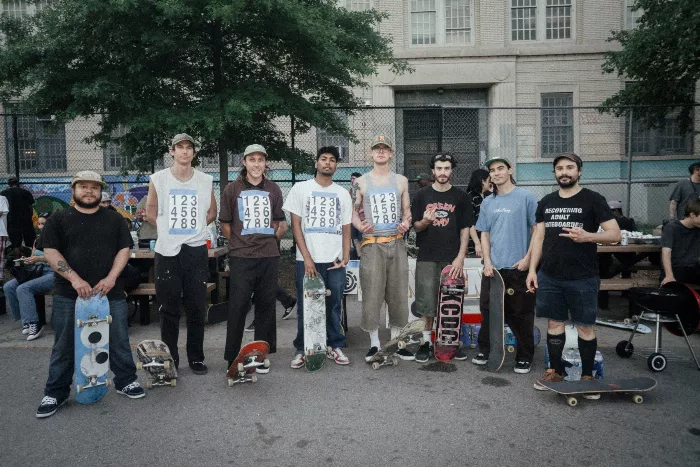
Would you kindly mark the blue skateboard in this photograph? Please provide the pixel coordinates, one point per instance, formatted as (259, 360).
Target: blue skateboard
(92, 320)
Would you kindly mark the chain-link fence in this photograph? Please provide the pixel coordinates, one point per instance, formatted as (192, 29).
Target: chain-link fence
(44, 153)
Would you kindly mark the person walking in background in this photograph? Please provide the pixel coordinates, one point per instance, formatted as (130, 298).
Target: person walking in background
(20, 226)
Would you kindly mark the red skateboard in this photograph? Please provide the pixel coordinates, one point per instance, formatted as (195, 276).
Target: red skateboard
(250, 357)
(448, 325)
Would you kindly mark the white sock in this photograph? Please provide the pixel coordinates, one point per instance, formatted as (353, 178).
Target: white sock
(395, 331)
(428, 336)
(374, 339)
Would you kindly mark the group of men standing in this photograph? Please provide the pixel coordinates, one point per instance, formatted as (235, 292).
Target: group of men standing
(88, 247)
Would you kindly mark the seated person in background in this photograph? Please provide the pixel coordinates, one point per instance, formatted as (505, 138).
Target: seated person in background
(680, 247)
(21, 296)
(625, 223)
(612, 264)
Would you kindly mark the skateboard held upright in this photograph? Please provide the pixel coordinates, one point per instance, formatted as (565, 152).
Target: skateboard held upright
(92, 320)
(448, 323)
(251, 356)
(154, 357)
(314, 321)
(496, 322)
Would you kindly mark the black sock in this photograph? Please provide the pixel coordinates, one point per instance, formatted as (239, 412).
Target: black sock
(555, 347)
(587, 350)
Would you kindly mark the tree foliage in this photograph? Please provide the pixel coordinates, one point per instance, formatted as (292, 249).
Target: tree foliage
(661, 56)
(224, 71)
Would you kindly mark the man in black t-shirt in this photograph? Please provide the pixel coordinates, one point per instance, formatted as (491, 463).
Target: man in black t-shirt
(19, 220)
(568, 282)
(680, 247)
(685, 191)
(442, 231)
(87, 246)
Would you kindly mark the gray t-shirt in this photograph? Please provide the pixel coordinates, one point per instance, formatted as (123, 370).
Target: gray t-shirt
(508, 219)
(683, 242)
(683, 192)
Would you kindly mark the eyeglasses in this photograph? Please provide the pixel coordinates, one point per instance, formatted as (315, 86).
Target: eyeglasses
(381, 148)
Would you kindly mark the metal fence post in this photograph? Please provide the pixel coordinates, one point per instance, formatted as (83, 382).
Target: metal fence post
(15, 140)
(629, 163)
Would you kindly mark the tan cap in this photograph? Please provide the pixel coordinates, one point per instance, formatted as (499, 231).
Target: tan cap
(182, 137)
(255, 148)
(382, 139)
(87, 176)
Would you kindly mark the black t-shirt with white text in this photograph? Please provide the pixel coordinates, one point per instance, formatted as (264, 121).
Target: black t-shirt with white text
(562, 258)
(440, 240)
(89, 243)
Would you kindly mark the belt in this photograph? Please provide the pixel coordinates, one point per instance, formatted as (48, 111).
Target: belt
(370, 240)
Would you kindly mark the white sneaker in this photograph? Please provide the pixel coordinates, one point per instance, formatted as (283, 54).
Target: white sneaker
(25, 328)
(299, 361)
(337, 355)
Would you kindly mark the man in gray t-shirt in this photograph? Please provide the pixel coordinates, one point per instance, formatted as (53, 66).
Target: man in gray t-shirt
(506, 220)
(684, 191)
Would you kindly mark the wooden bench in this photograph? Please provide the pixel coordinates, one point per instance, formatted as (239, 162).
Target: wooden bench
(618, 283)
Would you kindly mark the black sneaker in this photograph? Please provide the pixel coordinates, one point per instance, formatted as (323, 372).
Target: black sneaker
(522, 367)
(480, 359)
(132, 391)
(461, 355)
(199, 368)
(49, 405)
(424, 353)
(404, 354)
(288, 310)
(34, 331)
(370, 353)
(251, 327)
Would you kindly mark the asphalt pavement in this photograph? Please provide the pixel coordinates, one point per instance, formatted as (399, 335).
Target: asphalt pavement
(411, 414)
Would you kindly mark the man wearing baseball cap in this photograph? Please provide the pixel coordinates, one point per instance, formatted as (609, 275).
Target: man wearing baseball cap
(506, 219)
(383, 197)
(253, 222)
(87, 246)
(568, 281)
(181, 205)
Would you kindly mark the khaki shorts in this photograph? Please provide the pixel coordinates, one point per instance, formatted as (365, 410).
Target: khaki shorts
(427, 285)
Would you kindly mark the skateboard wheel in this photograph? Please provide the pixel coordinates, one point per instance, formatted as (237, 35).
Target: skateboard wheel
(328, 292)
(230, 382)
(79, 388)
(149, 384)
(627, 321)
(109, 319)
(394, 361)
(510, 349)
(166, 364)
(79, 323)
(173, 383)
(656, 362)
(637, 399)
(572, 401)
(266, 363)
(240, 367)
(254, 379)
(402, 345)
(510, 291)
(624, 349)
(139, 365)
(375, 365)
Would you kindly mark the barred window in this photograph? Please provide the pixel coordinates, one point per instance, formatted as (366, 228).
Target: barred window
(325, 138)
(423, 17)
(665, 140)
(357, 5)
(457, 21)
(558, 19)
(557, 123)
(441, 21)
(41, 142)
(523, 20)
(14, 8)
(632, 16)
(114, 157)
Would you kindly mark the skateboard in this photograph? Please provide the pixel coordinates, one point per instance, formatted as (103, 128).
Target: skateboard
(627, 325)
(385, 355)
(511, 342)
(92, 320)
(315, 294)
(154, 357)
(572, 388)
(496, 322)
(251, 356)
(448, 322)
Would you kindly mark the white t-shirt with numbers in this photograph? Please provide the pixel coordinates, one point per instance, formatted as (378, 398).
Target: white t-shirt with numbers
(323, 211)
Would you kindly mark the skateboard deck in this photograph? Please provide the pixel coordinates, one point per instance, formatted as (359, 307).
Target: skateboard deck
(92, 320)
(572, 388)
(385, 355)
(217, 313)
(251, 356)
(154, 357)
(627, 325)
(448, 323)
(315, 294)
(496, 322)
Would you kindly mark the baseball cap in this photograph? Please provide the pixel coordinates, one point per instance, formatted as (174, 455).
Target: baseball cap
(488, 163)
(615, 204)
(382, 139)
(422, 176)
(568, 155)
(182, 137)
(12, 179)
(87, 176)
(106, 196)
(254, 148)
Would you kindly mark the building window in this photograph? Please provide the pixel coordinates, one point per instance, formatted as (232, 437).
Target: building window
(356, 5)
(632, 16)
(41, 142)
(557, 123)
(665, 140)
(441, 22)
(325, 138)
(14, 8)
(114, 157)
(555, 17)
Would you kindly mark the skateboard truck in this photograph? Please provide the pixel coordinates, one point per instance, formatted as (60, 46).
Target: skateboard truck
(243, 370)
(93, 321)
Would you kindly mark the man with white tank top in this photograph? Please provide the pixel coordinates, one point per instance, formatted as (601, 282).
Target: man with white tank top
(180, 205)
(383, 197)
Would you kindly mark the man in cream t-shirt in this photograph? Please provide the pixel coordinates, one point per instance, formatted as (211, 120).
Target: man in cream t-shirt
(321, 213)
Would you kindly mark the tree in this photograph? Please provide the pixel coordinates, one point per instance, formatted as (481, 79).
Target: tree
(222, 70)
(661, 56)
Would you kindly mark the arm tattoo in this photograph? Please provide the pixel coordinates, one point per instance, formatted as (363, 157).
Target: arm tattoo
(64, 267)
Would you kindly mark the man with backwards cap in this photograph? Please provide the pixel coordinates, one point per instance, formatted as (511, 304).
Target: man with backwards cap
(253, 222)
(567, 284)
(506, 219)
(180, 205)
